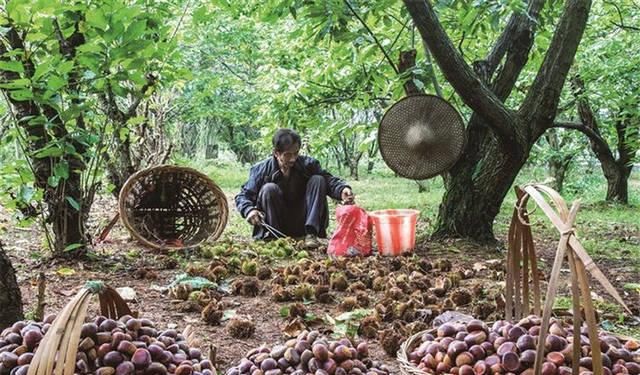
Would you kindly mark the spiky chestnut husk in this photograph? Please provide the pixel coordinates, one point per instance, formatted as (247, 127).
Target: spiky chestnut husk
(297, 310)
(390, 340)
(339, 282)
(180, 291)
(363, 299)
(369, 327)
(249, 268)
(250, 287)
(241, 328)
(323, 295)
(280, 294)
(349, 303)
(263, 273)
(461, 297)
(212, 313)
(304, 292)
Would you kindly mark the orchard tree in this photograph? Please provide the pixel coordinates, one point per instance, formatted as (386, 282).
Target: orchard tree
(606, 92)
(58, 59)
(499, 136)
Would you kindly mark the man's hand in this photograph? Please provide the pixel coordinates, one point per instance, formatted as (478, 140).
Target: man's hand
(347, 196)
(255, 217)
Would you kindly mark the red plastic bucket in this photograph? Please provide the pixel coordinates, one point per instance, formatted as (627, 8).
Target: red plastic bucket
(395, 230)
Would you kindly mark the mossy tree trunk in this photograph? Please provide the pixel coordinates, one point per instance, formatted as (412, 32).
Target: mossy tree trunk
(10, 297)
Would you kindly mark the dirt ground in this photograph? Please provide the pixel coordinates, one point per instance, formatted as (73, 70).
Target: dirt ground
(121, 262)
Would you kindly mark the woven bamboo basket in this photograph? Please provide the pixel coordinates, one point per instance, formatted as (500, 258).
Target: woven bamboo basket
(522, 271)
(56, 353)
(406, 367)
(170, 207)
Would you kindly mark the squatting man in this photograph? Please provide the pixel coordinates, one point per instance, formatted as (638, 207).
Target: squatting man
(288, 191)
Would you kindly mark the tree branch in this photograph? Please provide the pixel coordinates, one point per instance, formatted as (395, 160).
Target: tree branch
(518, 35)
(621, 23)
(432, 72)
(151, 81)
(541, 103)
(232, 71)
(518, 48)
(364, 24)
(466, 83)
(592, 135)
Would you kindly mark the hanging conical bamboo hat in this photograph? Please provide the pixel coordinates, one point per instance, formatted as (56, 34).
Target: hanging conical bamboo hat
(421, 136)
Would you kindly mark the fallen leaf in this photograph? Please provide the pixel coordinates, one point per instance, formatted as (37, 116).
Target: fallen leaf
(228, 314)
(65, 271)
(479, 266)
(294, 328)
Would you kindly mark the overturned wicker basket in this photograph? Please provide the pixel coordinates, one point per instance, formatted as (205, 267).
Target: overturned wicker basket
(170, 207)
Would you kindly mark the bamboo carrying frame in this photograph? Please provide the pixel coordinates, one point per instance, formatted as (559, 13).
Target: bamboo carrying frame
(522, 270)
(56, 353)
(521, 248)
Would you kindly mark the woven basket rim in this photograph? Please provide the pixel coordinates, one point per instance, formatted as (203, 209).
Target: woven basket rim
(406, 367)
(222, 205)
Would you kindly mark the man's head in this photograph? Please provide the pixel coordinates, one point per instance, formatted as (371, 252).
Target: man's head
(286, 146)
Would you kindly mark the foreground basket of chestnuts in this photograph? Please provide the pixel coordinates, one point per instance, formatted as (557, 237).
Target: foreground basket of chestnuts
(107, 347)
(508, 348)
(114, 343)
(310, 353)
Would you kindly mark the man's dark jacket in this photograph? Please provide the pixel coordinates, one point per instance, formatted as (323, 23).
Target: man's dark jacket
(268, 171)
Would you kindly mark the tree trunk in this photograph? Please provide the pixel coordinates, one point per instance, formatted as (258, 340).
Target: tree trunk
(370, 164)
(618, 183)
(558, 170)
(474, 192)
(10, 296)
(353, 169)
(68, 222)
(559, 161)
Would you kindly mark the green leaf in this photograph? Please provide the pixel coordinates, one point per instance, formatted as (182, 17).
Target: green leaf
(19, 83)
(135, 30)
(73, 246)
(66, 271)
(53, 181)
(21, 95)
(123, 134)
(137, 120)
(356, 314)
(65, 67)
(52, 151)
(97, 19)
(12, 66)
(61, 170)
(284, 311)
(55, 83)
(41, 69)
(73, 203)
(632, 286)
(26, 193)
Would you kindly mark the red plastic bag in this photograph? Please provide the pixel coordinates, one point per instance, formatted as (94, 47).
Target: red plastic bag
(352, 236)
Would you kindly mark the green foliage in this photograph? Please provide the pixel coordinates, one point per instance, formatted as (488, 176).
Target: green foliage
(60, 60)
(346, 324)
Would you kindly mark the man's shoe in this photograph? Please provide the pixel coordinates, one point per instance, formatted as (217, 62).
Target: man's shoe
(311, 241)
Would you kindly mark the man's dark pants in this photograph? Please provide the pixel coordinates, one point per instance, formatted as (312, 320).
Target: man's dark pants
(295, 218)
